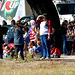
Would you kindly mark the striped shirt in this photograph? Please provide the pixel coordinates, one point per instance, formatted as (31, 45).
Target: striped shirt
(32, 36)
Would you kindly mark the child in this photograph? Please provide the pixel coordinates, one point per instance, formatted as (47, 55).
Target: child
(26, 40)
(70, 39)
(31, 48)
(39, 48)
(6, 52)
(55, 52)
(33, 34)
(12, 52)
(37, 35)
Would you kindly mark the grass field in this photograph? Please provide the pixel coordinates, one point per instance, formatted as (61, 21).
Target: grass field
(36, 68)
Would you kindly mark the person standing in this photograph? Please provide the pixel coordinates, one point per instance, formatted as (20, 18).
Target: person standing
(70, 39)
(64, 31)
(10, 33)
(32, 23)
(45, 31)
(18, 40)
(1, 42)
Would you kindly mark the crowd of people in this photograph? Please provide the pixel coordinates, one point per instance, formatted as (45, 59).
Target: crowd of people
(68, 36)
(39, 38)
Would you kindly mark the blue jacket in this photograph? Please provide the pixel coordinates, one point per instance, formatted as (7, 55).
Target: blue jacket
(18, 36)
(10, 33)
(39, 48)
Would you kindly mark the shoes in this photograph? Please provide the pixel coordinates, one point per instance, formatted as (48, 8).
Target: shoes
(15, 59)
(42, 58)
(47, 58)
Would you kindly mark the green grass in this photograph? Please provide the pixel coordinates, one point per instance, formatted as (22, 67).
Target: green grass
(36, 68)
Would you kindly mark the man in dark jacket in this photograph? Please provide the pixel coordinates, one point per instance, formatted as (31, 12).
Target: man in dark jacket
(18, 40)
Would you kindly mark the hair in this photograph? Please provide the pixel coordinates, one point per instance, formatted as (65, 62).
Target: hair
(7, 47)
(52, 46)
(12, 48)
(39, 43)
(30, 43)
(5, 23)
(13, 21)
(32, 21)
(65, 21)
(33, 28)
(69, 26)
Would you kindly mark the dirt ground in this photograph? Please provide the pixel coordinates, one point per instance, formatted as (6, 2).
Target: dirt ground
(36, 68)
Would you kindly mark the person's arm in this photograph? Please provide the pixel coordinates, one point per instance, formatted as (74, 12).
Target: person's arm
(40, 16)
(20, 30)
(72, 35)
(32, 53)
(53, 31)
(53, 54)
(50, 29)
(39, 21)
(37, 49)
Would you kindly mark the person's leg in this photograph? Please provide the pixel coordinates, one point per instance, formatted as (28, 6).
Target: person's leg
(47, 46)
(69, 47)
(25, 50)
(64, 44)
(21, 51)
(1, 52)
(1, 55)
(16, 51)
(43, 46)
(56, 56)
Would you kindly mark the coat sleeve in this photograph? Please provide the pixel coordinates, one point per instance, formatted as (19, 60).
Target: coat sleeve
(50, 26)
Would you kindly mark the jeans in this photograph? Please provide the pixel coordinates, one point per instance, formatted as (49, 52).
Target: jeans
(19, 48)
(45, 45)
(55, 56)
(64, 44)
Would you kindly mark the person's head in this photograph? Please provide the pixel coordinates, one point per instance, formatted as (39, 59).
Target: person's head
(39, 43)
(66, 22)
(13, 22)
(32, 22)
(33, 28)
(30, 44)
(71, 23)
(69, 27)
(52, 47)
(11, 49)
(19, 23)
(5, 44)
(26, 29)
(4, 22)
(7, 48)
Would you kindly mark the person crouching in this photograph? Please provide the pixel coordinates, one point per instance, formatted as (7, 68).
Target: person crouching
(55, 52)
